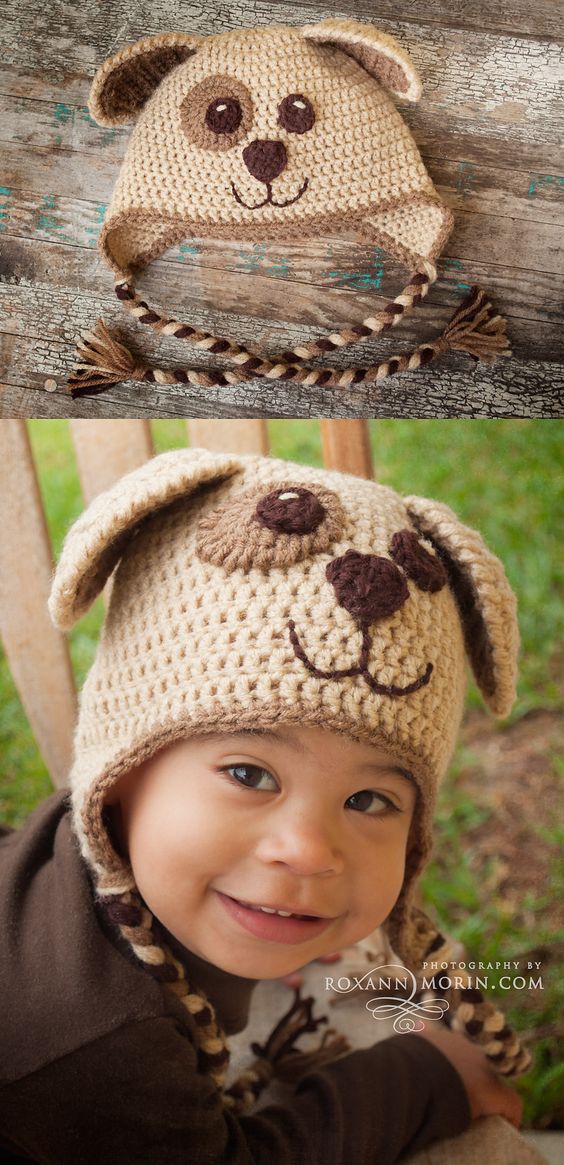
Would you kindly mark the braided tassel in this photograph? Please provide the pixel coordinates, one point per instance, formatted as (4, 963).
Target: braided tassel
(279, 1056)
(474, 329)
(105, 361)
(468, 1012)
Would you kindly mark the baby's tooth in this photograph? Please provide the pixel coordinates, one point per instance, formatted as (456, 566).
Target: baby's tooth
(268, 909)
(284, 913)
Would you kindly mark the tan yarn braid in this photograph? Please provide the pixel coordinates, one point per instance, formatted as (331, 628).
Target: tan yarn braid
(278, 1057)
(389, 317)
(469, 1012)
(474, 329)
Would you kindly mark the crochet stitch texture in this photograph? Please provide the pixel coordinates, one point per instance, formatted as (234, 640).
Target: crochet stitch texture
(270, 133)
(251, 591)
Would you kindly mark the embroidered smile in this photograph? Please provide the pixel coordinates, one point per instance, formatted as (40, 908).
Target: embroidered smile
(359, 669)
(269, 198)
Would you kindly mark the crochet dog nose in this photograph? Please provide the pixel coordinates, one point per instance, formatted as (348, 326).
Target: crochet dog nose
(367, 586)
(265, 160)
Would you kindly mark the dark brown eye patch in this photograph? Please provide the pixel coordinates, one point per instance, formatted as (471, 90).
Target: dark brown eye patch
(423, 568)
(296, 113)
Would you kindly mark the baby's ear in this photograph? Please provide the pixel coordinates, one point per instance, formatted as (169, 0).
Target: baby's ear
(377, 52)
(486, 603)
(97, 540)
(124, 83)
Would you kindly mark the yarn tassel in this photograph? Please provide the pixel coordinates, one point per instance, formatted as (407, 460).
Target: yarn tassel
(476, 329)
(279, 1057)
(104, 361)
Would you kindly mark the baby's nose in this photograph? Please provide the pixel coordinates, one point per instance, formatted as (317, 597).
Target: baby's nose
(265, 160)
(367, 586)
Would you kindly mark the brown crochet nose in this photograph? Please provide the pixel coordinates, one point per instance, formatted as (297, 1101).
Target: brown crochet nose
(367, 586)
(265, 160)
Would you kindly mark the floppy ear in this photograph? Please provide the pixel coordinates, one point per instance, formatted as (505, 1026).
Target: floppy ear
(377, 52)
(96, 542)
(123, 83)
(486, 603)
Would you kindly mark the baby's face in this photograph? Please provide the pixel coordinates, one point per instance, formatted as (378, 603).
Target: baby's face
(298, 819)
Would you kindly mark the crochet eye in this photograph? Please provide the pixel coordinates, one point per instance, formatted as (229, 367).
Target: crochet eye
(425, 569)
(224, 115)
(290, 511)
(264, 528)
(296, 114)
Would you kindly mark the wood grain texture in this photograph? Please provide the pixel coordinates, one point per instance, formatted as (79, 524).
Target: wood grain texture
(37, 653)
(489, 127)
(106, 450)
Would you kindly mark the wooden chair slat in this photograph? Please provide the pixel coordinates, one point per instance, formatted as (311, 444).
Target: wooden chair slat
(37, 653)
(229, 436)
(346, 446)
(105, 450)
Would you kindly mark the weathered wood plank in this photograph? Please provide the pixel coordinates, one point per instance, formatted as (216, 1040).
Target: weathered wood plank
(253, 310)
(229, 436)
(105, 450)
(502, 88)
(37, 654)
(521, 389)
(346, 446)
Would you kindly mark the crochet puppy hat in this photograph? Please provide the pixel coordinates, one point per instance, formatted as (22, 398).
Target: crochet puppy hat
(250, 591)
(271, 133)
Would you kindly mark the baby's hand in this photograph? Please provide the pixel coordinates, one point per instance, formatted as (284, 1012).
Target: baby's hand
(487, 1094)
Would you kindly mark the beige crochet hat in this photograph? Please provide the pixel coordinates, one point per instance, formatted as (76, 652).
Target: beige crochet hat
(270, 133)
(251, 591)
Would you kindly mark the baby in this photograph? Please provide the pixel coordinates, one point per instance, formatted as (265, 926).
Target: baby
(275, 696)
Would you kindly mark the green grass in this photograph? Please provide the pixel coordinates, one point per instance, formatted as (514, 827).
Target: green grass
(503, 477)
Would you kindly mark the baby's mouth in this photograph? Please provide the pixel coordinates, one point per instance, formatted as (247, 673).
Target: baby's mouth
(269, 198)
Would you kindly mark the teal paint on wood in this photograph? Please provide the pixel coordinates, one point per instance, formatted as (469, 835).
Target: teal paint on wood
(539, 184)
(5, 195)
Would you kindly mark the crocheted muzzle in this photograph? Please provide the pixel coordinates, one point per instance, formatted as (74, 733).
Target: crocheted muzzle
(265, 134)
(251, 591)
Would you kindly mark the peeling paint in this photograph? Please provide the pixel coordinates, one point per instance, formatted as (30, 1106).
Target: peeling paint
(5, 195)
(465, 177)
(99, 214)
(63, 113)
(539, 184)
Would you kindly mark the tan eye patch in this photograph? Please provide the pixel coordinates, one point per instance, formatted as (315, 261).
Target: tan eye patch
(422, 567)
(216, 113)
(263, 528)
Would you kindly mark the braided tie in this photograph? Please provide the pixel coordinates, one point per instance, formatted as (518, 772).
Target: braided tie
(474, 328)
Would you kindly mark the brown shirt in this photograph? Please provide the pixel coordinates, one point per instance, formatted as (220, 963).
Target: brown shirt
(98, 1061)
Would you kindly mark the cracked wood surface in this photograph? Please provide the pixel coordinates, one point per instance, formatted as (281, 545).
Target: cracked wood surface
(488, 125)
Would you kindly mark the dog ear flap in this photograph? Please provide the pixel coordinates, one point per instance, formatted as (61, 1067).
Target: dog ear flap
(125, 81)
(486, 603)
(97, 540)
(377, 52)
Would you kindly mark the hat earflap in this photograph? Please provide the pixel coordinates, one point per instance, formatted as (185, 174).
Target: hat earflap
(486, 603)
(96, 541)
(378, 53)
(125, 81)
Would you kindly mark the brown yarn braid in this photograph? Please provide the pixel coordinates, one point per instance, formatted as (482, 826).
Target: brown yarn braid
(469, 1011)
(105, 360)
(278, 1057)
(389, 317)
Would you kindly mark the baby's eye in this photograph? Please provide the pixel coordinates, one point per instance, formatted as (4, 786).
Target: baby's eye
(252, 776)
(367, 801)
